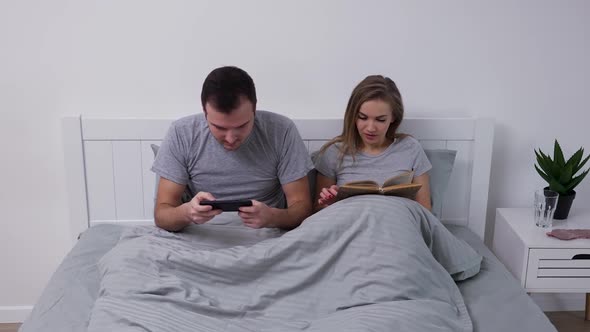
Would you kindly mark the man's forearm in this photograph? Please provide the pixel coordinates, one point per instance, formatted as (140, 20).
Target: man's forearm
(171, 218)
(292, 216)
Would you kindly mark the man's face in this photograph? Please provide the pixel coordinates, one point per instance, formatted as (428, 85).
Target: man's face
(231, 129)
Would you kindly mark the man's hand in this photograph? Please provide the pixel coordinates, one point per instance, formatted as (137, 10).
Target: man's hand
(258, 215)
(200, 214)
(328, 196)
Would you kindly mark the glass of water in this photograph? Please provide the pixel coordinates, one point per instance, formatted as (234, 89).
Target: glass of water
(544, 207)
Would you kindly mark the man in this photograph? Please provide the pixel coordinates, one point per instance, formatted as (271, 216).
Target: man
(232, 151)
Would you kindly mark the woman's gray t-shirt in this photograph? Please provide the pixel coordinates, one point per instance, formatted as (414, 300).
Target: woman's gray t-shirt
(405, 154)
(272, 155)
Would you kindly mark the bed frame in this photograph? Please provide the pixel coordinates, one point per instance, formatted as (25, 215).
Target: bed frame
(108, 161)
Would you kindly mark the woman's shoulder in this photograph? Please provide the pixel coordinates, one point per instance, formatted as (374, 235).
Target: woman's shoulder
(329, 150)
(336, 146)
(408, 141)
(406, 144)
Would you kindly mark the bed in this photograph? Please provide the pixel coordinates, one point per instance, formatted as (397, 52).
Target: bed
(111, 194)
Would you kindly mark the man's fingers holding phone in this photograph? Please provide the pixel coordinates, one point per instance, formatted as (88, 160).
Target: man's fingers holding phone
(256, 216)
(198, 213)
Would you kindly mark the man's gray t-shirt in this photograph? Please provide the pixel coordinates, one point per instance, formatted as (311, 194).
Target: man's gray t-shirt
(272, 155)
(405, 154)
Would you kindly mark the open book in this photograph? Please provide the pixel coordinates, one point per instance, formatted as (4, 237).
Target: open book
(400, 185)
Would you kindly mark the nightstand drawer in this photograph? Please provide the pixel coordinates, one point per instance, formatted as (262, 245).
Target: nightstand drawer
(554, 269)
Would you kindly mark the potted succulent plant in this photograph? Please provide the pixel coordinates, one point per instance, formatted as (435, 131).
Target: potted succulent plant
(561, 176)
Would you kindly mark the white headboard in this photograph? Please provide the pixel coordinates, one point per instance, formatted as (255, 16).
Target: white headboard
(108, 163)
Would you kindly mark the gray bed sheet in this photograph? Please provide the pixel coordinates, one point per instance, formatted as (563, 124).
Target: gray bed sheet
(494, 298)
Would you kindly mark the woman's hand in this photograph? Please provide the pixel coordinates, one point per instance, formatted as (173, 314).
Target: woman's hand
(328, 196)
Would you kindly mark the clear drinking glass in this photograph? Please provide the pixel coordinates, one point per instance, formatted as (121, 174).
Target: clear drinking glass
(544, 206)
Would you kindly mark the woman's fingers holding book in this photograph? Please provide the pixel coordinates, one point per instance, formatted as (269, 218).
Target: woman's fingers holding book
(333, 190)
(323, 203)
(330, 192)
(327, 196)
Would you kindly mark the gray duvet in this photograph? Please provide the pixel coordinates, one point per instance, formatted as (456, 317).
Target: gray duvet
(368, 263)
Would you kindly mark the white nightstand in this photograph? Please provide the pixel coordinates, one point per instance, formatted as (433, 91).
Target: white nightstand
(544, 264)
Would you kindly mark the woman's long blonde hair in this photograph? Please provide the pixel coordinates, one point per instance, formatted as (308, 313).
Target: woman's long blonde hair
(373, 87)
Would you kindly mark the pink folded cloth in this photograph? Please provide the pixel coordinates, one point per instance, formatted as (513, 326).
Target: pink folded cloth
(570, 234)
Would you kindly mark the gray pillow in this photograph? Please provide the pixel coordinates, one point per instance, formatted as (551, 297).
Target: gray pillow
(187, 195)
(442, 161)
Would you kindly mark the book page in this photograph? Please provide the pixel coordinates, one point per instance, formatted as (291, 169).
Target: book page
(403, 178)
(363, 183)
(403, 190)
(350, 190)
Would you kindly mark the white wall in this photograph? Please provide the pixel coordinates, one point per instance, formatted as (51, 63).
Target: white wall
(524, 63)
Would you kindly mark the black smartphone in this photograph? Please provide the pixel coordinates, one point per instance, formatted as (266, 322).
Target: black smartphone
(227, 205)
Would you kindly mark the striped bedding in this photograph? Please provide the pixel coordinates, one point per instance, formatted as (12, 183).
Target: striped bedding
(367, 263)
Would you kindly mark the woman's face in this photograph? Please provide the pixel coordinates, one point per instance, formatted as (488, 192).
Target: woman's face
(372, 122)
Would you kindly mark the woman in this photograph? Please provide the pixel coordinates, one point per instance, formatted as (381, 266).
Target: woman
(369, 146)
